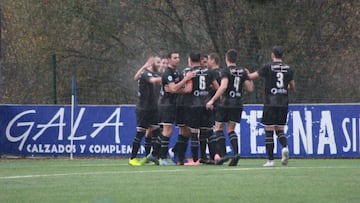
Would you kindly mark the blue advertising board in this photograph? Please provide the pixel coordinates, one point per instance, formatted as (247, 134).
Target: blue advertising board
(313, 130)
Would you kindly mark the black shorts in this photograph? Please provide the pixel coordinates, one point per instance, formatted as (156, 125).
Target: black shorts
(180, 115)
(199, 117)
(167, 114)
(146, 118)
(224, 115)
(274, 115)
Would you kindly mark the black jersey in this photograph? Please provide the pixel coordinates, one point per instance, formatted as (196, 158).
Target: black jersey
(232, 96)
(147, 95)
(217, 75)
(157, 88)
(180, 97)
(277, 78)
(170, 75)
(201, 87)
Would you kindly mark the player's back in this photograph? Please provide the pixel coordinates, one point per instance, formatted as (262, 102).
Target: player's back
(201, 86)
(232, 96)
(277, 78)
(147, 97)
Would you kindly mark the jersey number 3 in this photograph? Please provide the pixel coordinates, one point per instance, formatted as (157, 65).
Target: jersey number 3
(280, 80)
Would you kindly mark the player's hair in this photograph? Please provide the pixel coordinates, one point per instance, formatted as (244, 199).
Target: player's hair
(171, 53)
(195, 56)
(203, 56)
(215, 57)
(278, 51)
(231, 55)
(153, 56)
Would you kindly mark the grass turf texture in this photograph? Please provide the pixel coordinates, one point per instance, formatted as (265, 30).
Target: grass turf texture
(113, 180)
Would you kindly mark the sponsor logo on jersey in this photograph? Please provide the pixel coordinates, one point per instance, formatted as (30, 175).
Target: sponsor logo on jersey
(278, 91)
(200, 93)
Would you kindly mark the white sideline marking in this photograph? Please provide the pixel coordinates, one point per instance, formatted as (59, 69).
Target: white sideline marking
(169, 171)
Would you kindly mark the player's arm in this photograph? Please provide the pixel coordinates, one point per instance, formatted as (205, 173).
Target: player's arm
(220, 91)
(291, 85)
(249, 85)
(215, 85)
(183, 90)
(148, 63)
(188, 87)
(174, 88)
(138, 73)
(253, 75)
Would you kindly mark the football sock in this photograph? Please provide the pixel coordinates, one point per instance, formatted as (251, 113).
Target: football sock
(269, 144)
(175, 149)
(147, 145)
(212, 145)
(194, 146)
(156, 142)
(182, 146)
(204, 136)
(234, 142)
(164, 146)
(221, 147)
(282, 138)
(136, 144)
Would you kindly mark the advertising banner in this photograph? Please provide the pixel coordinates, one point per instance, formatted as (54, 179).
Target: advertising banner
(313, 130)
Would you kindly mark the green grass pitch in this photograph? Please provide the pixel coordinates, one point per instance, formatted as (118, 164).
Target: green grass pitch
(113, 180)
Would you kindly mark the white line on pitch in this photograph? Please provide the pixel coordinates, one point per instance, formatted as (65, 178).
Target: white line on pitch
(168, 171)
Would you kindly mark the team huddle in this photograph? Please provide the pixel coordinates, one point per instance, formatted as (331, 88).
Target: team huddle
(202, 100)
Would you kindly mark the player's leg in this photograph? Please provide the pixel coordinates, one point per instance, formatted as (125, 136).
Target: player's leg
(212, 139)
(234, 143)
(156, 134)
(268, 119)
(281, 136)
(194, 144)
(212, 145)
(148, 139)
(154, 116)
(221, 141)
(155, 146)
(279, 129)
(142, 122)
(233, 137)
(167, 118)
(221, 156)
(193, 119)
(234, 116)
(135, 147)
(181, 145)
(206, 132)
(177, 152)
(165, 141)
(155, 138)
(269, 145)
(220, 120)
(155, 141)
(283, 141)
(203, 141)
